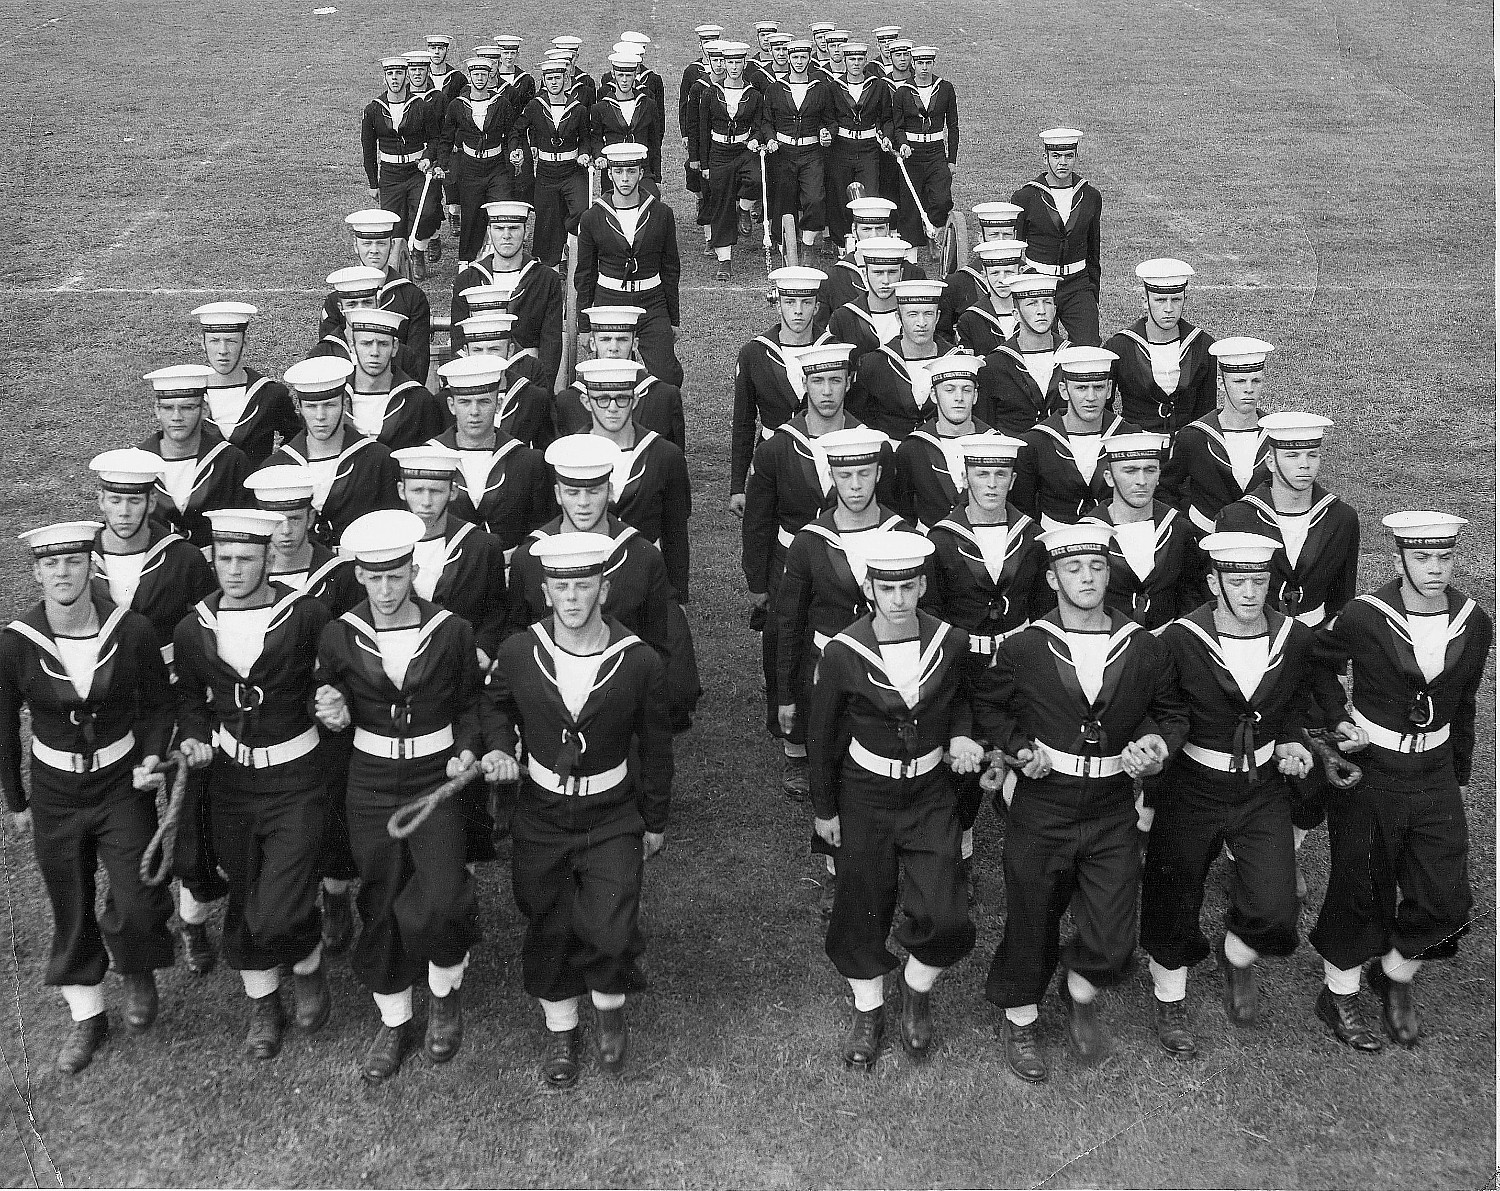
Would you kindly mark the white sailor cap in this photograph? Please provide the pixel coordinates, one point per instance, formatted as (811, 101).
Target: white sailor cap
(62, 537)
(509, 41)
(572, 555)
(373, 224)
(800, 45)
(1086, 363)
(824, 357)
(854, 446)
(556, 55)
(375, 319)
(856, 47)
(243, 525)
(477, 62)
(989, 450)
(1140, 445)
(489, 297)
(634, 38)
(822, 26)
(625, 153)
(776, 39)
(709, 32)
(1235, 551)
(920, 53)
(614, 318)
(1032, 285)
(393, 62)
(958, 365)
(766, 26)
(431, 461)
(553, 65)
(870, 210)
(1061, 138)
(1424, 530)
(713, 48)
(282, 487)
(634, 49)
(382, 540)
(1164, 275)
(894, 555)
(734, 50)
(609, 375)
(490, 54)
(996, 214)
(507, 211)
(622, 61)
(796, 280)
(357, 281)
(129, 470)
(473, 374)
(837, 36)
(567, 42)
(225, 316)
(919, 292)
(999, 252)
(180, 380)
(320, 378)
(1087, 537)
(887, 32)
(436, 39)
(582, 460)
(1295, 431)
(486, 327)
(1240, 353)
(883, 250)
(418, 58)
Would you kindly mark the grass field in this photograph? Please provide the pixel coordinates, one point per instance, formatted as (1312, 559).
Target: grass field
(1329, 171)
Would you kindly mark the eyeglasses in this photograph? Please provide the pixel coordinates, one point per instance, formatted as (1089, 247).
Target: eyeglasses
(605, 400)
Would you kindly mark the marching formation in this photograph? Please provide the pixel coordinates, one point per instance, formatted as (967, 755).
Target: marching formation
(362, 623)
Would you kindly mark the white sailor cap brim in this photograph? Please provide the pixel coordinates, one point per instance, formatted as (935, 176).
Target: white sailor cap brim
(1164, 274)
(625, 62)
(488, 297)
(871, 210)
(709, 32)
(508, 211)
(375, 319)
(1295, 431)
(439, 39)
(553, 66)
(357, 281)
(382, 540)
(856, 47)
(509, 41)
(427, 462)
(854, 446)
(882, 250)
(919, 292)
(180, 380)
(319, 378)
(625, 153)
(894, 555)
(567, 42)
(1086, 363)
(472, 374)
(1142, 445)
(1087, 537)
(634, 38)
(796, 280)
(614, 318)
(1241, 353)
(225, 316)
(1061, 138)
(1242, 552)
(62, 537)
(478, 63)
(373, 224)
(1424, 530)
(989, 450)
(572, 555)
(243, 525)
(281, 487)
(602, 375)
(766, 26)
(1000, 252)
(799, 45)
(954, 366)
(996, 214)
(481, 328)
(582, 460)
(128, 470)
(1032, 285)
(393, 62)
(824, 357)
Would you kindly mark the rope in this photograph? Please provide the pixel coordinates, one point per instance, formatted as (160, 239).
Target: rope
(406, 819)
(163, 844)
(1342, 773)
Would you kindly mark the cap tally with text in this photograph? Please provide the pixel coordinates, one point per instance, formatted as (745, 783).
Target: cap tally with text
(1142, 445)
(567, 42)
(854, 446)
(180, 380)
(1061, 138)
(1087, 537)
(919, 293)
(431, 461)
(320, 378)
(393, 62)
(357, 281)
(437, 39)
(1414, 530)
(894, 555)
(615, 319)
(128, 470)
(488, 297)
(870, 210)
(507, 212)
(1295, 431)
(766, 26)
(558, 65)
(244, 525)
(713, 49)
(382, 540)
(582, 460)
(1164, 275)
(921, 53)
(418, 59)
(989, 450)
(837, 37)
(509, 41)
(887, 32)
(1243, 552)
(824, 357)
(1241, 353)
(375, 320)
(1032, 285)
(621, 61)
(800, 45)
(776, 39)
(999, 252)
(486, 327)
(996, 215)
(856, 47)
(954, 366)
(473, 374)
(224, 317)
(601, 376)
(476, 62)
(794, 281)
(1086, 363)
(733, 51)
(625, 153)
(709, 32)
(572, 555)
(281, 488)
(62, 537)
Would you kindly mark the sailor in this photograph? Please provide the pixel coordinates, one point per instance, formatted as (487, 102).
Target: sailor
(623, 114)
(801, 119)
(472, 146)
(586, 699)
(869, 219)
(250, 410)
(523, 408)
(892, 387)
(612, 336)
(991, 319)
(695, 73)
(871, 319)
(862, 105)
(889, 700)
(385, 403)
(1165, 375)
(1021, 383)
(1060, 223)
(733, 127)
(924, 133)
(552, 132)
(374, 283)
(997, 221)
(717, 71)
(930, 461)
(90, 674)
(397, 135)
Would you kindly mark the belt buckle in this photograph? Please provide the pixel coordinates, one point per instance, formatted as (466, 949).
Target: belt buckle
(244, 755)
(573, 786)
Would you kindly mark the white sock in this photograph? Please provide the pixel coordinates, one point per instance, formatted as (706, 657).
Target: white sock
(1342, 982)
(920, 977)
(1237, 951)
(1299, 834)
(795, 751)
(607, 1001)
(1081, 989)
(723, 254)
(309, 963)
(1170, 983)
(442, 981)
(260, 984)
(966, 846)
(832, 871)
(708, 234)
(395, 1008)
(84, 1000)
(747, 204)
(1021, 1015)
(562, 1016)
(419, 245)
(1398, 967)
(331, 885)
(190, 909)
(809, 238)
(868, 994)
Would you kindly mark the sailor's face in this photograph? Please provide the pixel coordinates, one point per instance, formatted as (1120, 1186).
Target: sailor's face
(1242, 390)
(989, 486)
(554, 81)
(507, 239)
(583, 507)
(488, 347)
(797, 311)
(573, 600)
(417, 73)
(508, 58)
(322, 416)
(624, 81)
(1080, 579)
(428, 499)
(374, 253)
(240, 567)
(897, 599)
(124, 513)
(870, 231)
(613, 345)
(474, 413)
(626, 179)
(223, 350)
(611, 410)
(179, 417)
(387, 590)
(479, 78)
(395, 79)
(826, 392)
(1038, 312)
(1299, 469)
(373, 351)
(955, 400)
(439, 55)
(854, 61)
(734, 70)
(999, 277)
(919, 322)
(63, 578)
(1060, 163)
(798, 61)
(1086, 398)
(1135, 480)
(1241, 593)
(856, 485)
(1428, 571)
(882, 279)
(291, 535)
(1165, 310)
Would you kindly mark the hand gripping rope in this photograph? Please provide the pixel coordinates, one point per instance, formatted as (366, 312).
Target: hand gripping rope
(156, 860)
